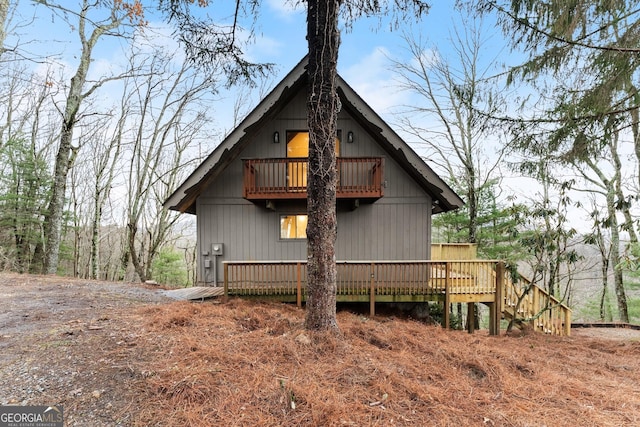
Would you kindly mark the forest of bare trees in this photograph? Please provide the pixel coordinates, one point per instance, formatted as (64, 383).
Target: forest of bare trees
(90, 149)
(88, 156)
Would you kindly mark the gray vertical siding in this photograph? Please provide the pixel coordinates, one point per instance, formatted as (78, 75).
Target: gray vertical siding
(396, 227)
(384, 231)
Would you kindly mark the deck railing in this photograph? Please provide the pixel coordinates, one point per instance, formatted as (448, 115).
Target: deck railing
(366, 281)
(286, 178)
(356, 277)
(476, 281)
(542, 311)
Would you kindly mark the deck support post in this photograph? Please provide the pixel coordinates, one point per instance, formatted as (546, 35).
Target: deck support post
(492, 316)
(226, 280)
(494, 327)
(470, 317)
(372, 292)
(447, 296)
(567, 322)
(299, 285)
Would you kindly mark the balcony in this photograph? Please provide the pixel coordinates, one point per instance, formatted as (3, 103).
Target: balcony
(286, 178)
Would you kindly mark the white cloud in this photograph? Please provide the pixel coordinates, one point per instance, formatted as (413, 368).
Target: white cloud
(280, 34)
(286, 9)
(373, 80)
(265, 48)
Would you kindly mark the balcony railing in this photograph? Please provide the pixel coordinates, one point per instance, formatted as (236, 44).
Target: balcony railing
(286, 178)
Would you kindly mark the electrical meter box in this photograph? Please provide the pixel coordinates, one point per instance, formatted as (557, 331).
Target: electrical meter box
(216, 249)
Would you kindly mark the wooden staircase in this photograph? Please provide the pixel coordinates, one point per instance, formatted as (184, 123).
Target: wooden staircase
(532, 306)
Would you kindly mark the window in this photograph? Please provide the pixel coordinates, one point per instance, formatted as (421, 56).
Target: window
(298, 147)
(298, 143)
(293, 226)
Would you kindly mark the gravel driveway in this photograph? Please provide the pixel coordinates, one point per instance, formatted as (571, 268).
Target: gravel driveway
(72, 342)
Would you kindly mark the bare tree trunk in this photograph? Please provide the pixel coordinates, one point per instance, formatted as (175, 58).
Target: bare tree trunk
(622, 203)
(66, 151)
(4, 11)
(125, 258)
(605, 283)
(610, 187)
(597, 238)
(75, 215)
(618, 282)
(105, 162)
(472, 235)
(604, 269)
(132, 232)
(323, 106)
(64, 161)
(95, 236)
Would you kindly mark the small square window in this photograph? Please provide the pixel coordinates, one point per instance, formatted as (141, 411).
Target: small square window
(293, 226)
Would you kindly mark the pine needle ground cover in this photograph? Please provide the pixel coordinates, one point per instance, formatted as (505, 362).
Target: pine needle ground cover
(245, 363)
(118, 354)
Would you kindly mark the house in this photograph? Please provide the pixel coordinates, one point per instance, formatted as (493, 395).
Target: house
(249, 195)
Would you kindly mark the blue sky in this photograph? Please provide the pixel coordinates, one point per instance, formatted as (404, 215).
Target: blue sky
(364, 51)
(364, 57)
(280, 39)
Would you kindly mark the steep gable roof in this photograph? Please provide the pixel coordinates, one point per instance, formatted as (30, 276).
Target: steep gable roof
(184, 198)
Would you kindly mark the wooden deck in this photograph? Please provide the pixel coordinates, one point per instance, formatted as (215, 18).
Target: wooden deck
(463, 281)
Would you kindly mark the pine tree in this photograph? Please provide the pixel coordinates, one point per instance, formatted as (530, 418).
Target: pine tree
(24, 192)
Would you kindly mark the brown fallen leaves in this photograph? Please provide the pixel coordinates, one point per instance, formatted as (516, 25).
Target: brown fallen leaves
(252, 364)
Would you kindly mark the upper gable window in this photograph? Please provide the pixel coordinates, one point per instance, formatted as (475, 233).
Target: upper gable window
(298, 143)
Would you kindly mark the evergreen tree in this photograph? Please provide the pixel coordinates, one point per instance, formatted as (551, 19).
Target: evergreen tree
(24, 192)
(583, 61)
(499, 224)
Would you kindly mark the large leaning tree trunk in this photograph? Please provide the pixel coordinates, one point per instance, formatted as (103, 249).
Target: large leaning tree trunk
(322, 106)
(77, 93)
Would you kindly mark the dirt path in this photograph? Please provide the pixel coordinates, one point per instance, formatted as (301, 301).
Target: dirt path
(616, 334)
(71, 342)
